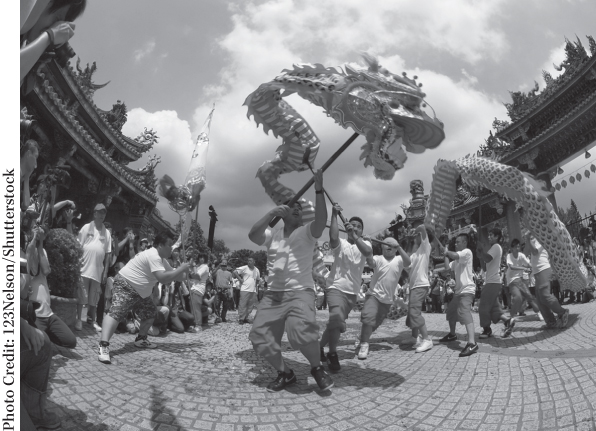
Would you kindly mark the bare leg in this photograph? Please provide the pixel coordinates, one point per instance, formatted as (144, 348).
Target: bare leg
(470, 329)
(108, 327)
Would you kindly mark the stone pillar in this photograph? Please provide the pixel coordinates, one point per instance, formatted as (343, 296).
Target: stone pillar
(513, 221)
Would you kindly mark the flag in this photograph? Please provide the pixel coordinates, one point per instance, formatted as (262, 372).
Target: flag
(196, 179)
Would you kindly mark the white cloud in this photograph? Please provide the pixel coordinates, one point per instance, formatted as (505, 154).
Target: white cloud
(271, 36)
(147, 49)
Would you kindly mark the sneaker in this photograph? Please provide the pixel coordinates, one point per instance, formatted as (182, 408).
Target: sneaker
(104, 354)
(521, 313)
(486, 333)
(333, 361)
(363, 351)
(470, 349)
(49, 421)
(79, 325)
(97, 326)
(142, 341)
(508, 328)
(563, 319)
(322, 378)
(424, 346)
(283, 380)
(550, 325)
(539, 314)
(448, 338)
(217, 320)
(90, 321)
(192, 330)
(323, 357)
(223, 320)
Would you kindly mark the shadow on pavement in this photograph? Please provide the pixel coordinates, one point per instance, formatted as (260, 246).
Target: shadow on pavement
(77, 420)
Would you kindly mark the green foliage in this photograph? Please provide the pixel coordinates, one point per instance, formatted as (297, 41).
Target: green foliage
(196, 243)
(64, 255)
(571, 219)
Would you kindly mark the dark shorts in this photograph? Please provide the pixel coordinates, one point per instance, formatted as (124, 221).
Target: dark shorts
(125, 299)
(340, 305)
(374, 312)
(460, 308)
(417, 298)
(293, 311)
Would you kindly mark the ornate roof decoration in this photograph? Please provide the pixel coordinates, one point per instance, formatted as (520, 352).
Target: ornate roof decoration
(147, 139)
(146, 175)
(494, 147)
(523, 103)
(49, 96)
(83, 77)
(117, 116)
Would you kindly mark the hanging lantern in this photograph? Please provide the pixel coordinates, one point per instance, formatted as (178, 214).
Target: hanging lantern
(587, 173)
(572, 180)
(579, 177)
(593, 168)
(558, 187)
(564, 184)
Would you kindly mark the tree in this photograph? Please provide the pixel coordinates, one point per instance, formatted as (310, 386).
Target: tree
(571, 218)
(219, 248)
(195, 242)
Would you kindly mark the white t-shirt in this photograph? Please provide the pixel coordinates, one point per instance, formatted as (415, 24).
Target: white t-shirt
(289, 260)
(138, 272)
(419, 265)
(385, 279)
(40, 292)
(96, 244)
(464, 276)
(493, 275)
(539, 261)
(348, 264)
(199, 285)
(249, 278)
(521, 260)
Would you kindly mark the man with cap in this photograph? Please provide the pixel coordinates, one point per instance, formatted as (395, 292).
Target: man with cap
(97, 247)
(349, 260)
(387, 271)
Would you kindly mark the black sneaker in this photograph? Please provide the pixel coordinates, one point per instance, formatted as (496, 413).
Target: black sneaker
(322, 378)
(447, 338)
(333, 361)
(323, 357)
(486, 333)
(283, 380)
(508, 327)
(470, 349)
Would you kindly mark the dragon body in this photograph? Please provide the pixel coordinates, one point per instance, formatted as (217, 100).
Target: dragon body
(538, 214)
(385, 108)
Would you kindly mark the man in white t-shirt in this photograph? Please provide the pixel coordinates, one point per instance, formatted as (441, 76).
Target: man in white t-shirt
(346, 275)
(387, 270)
(133, 287)
(490, 310)
(198, 281)
(97, 246)
(542, 272)
(249, 275)
(460, 307)
(519, 266)
(419, 289)
(290, 300)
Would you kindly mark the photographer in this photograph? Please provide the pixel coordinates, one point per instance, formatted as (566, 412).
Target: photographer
(45, 24)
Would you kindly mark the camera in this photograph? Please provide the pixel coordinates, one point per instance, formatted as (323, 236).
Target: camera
(64, 53)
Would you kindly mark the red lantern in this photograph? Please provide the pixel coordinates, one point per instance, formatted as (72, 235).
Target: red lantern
(579, 177)
(572, 179)
(587, 173)
(564, 184)
(558, 186)
(593, 168)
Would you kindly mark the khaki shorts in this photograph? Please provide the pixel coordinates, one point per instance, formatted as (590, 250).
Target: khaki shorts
(88, 292)
(374, 312)
(293, 311)
(460, 308)
(417, 297)
(340, 305)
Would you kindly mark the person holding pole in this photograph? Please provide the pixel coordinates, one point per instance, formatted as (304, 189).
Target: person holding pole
(349, 260)
(133, 287)
(290, 300)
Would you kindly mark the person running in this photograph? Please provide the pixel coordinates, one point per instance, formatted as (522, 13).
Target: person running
(290, 300)
(490, 308)
(377, 304)
(518, 265)
(133, 287)
(460, 307)
(349, 260)
(542, 271)
(419, 289)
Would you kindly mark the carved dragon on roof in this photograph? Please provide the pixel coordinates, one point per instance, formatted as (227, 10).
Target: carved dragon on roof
(84, 77)
(147, 138)
(147, 173)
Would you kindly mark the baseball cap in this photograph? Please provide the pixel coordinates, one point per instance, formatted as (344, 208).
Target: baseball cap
(144, 240)
(100, 207)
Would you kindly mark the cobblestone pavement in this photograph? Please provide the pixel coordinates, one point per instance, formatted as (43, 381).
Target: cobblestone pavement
(534, 380)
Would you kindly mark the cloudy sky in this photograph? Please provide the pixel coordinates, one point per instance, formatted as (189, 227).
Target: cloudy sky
(169, 61)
